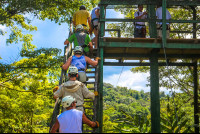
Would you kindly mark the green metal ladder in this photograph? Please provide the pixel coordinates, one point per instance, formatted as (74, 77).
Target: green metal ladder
(91, 110)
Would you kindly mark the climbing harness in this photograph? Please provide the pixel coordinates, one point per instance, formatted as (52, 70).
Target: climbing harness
(92, 22)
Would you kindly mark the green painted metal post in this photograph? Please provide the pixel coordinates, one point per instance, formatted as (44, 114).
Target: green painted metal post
(196, 108)
(101, 91)
(152, 25)
(164, 6)
(102, 24)
(194, 24)
(155, 101)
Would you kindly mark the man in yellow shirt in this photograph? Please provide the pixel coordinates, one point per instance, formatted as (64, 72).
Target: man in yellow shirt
(82, 17)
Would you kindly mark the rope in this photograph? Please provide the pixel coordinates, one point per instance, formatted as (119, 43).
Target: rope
(120, 76)
(171, 86)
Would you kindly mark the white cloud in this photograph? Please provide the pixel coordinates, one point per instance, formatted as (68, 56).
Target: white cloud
(136, 81)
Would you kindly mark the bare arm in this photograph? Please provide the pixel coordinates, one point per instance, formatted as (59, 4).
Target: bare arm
(55, 97)
(67, 64)
(97, 12)
(74, 23)
(139, 17)
(91, 47)
(88, 122)
(91, 62)
(66, 42)
(89, 22)
(55, 127)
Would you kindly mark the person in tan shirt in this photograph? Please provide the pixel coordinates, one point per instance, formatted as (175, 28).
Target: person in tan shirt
(74, 88)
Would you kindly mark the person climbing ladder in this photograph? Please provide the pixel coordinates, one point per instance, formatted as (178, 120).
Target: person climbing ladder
(80, 61)
(71, 120)
(74, 88)
(81, 39)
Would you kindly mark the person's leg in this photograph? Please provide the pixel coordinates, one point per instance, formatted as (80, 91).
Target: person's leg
(82, 76)
(136, 34)
(96, 33)
(95, 38)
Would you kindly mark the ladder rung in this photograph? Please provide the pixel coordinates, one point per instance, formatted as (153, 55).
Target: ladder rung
(90, 77)
(88, 101)
(91, 89)
(87, 130)
(91, 67)
(90, 82)
(88, 108)
(90, 71)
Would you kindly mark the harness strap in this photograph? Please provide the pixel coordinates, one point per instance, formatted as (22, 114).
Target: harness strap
(94, 27)
(82, 69)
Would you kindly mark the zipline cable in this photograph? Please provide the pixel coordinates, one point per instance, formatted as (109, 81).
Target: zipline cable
(120, 75)
(171, 86)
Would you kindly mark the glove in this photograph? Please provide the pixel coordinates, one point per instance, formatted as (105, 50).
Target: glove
(55, 88)
(97, 58)
(96, 93)
(97, 124)
(61, 64)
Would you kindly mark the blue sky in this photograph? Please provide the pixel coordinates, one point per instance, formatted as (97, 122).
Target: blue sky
(50, 34)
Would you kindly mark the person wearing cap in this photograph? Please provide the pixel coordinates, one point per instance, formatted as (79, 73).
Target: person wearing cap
(81, 39)
(95, 20)
(74, 88)
(159, 24)
(82, 17)
(140, 28)
(80, 61)
(70, 121)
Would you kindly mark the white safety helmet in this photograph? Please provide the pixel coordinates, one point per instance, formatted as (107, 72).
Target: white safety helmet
(73, 69)
(78, 49)
(67, 101)
(79, 27)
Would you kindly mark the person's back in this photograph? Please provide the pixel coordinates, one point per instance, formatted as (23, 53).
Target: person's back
(76, 89)
(80, 17)
(70, 121)
(159, 24)
(159, 14)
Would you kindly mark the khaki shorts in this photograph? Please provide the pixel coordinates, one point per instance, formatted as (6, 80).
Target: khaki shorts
(159, 32)
(83, 76)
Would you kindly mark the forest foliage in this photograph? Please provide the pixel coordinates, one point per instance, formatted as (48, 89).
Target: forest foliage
(26, 102)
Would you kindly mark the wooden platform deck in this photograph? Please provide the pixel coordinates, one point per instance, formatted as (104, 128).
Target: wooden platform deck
(140, 48)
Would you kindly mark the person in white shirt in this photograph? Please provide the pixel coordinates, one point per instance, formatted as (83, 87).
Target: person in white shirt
(159, 24)
(140, 29)
(70, 121)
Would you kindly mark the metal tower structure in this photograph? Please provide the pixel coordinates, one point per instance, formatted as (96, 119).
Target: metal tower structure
(148, 49)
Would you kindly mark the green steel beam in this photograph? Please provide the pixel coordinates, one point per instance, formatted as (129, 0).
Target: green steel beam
(133, 55)
(149, 45)
(144, 64)
(164, 40)
(196, 107)
(150, 2)
(102, 24)
(154, 92)
(194, 24)
(152, 25)
(118, 30)
(101, 90)
(146, 20)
